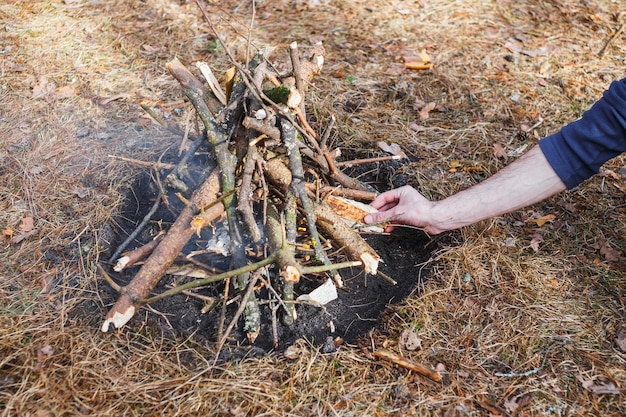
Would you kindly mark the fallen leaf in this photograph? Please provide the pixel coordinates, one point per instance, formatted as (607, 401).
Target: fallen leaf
(421, 61)
(518, 49)
(544, 68)
(599, 385)
(43, 354)
(512, 404)
(609, 174)
(409, 340)
(535, 241)
(610, 254)
(535, 52)
(81, 192)
(416, 128)
(424, 113)
(395, 69)
(454, 166)
(11, 66)
(513, 47)
(149, 48)
(8, 233)
(540, 221)
(37, 170)
(499, 152)
(43, 88)
(509, 242)
(393, 149)
(22, 236)
(28, 224)
(66, 91)
(45, 351)
(293, 352)
(620, 339)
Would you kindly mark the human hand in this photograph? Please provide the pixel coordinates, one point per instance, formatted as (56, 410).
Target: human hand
(403, 205)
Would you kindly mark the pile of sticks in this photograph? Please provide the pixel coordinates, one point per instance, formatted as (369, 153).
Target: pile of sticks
(265, 155)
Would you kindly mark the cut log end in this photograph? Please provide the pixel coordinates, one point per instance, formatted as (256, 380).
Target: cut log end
(118, 319)
(370, 262)
(121, 263)
(291, 274)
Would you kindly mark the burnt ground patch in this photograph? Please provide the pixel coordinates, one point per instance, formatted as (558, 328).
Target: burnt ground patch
(357, 310)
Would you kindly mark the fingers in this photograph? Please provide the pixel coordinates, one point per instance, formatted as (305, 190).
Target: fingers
(377, 217)
(386, 200)
(403, 205)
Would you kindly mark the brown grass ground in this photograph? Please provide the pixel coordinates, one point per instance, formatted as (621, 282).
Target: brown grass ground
(517, 331)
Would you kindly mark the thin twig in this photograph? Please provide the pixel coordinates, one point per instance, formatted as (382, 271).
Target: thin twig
(155, 165)
(109, 280)
(173, 129)
(242, 306)
(366, 161)
(138, 229)
(386, 277)
(216, 278)
(611, 39)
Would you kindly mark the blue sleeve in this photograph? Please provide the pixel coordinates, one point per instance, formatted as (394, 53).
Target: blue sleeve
(578, 151)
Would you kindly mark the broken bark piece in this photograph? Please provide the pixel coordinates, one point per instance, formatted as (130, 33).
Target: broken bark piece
(349, 209)
(192, 86)
(406, 363)
(165, 253)
(353, 213)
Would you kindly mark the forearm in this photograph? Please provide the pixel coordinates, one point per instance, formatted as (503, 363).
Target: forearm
(526, 181)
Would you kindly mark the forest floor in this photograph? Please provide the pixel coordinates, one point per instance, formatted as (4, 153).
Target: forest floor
(523, 315)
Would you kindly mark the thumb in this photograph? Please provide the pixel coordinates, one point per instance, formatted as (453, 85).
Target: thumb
(375, 217)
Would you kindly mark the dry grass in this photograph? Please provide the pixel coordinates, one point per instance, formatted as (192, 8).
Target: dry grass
(503, 320)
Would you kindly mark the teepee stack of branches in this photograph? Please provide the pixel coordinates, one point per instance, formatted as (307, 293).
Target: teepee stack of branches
(265, 154)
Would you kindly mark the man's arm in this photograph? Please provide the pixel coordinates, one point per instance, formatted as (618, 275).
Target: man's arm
(526, 181)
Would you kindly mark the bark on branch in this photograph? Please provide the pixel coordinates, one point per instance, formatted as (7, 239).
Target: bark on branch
(178, 235)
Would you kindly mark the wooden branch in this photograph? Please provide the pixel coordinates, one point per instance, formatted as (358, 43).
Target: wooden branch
(226, 161)
(244, 205)
(262, 126)
(288, 268)
(215, 278)
(336, 174)
(297, 73)
(162, 257)
(130, 258)
(297, 182)
(405, 363)
(346, 238)
(192, 86)
(342, 192)
(291, 231)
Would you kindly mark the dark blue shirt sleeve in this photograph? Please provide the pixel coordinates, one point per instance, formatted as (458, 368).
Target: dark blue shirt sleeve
(579, 149)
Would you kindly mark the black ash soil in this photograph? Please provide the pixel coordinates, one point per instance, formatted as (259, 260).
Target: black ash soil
(358, 309)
